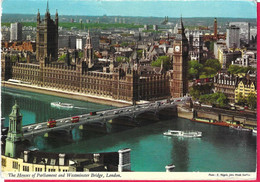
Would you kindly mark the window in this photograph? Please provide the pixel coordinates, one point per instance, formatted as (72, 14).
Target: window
(26, 168)
(15, 165)
(37, 169)
(4, 162)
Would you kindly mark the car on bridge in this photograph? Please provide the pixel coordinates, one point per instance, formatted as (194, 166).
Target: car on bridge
(38, 127)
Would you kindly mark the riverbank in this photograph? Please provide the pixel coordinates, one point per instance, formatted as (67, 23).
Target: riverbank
(187, 113)
(67, 94)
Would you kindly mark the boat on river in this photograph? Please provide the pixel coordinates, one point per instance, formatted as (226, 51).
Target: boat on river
(254, 131)
(239, 128)
(63, 105)
(210, 121)
(190, 134)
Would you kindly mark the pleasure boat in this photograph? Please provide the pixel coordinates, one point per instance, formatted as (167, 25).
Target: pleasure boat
(239, 128)
(183, 133)
(60, 104)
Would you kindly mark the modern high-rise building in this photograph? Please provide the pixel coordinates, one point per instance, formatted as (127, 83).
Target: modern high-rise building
(244, 31)
(16, 31)
(233, 38)
(47, 37)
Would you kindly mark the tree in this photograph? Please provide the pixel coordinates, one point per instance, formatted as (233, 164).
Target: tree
(122, 59)
(159, 60)
(235, 69)
(218, 99)
(62, 58)
(194, 69)
(124, 44)
(81, 54)
(222, 100)
(195, 93)
(214, 64)
(208, 72)
(241, 99)
(205, 99)
(251, 100)
(139, 53)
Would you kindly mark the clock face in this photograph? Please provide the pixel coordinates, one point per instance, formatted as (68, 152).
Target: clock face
(177, 48)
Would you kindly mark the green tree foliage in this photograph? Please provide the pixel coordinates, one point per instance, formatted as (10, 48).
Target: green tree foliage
(165, 60)
(211, 46)
(241, 99)
(217, 99)
(14, 58)
(124, 44)
(81, 54)
(251, 100)
(235, 69)
(194, 69)
(102, 26)
(122, 59)
(139, 53)
(198, 90)
(195, 93)
(211, 67)
(62, 58)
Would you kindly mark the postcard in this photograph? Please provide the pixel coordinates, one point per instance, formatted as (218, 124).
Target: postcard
(129, 90)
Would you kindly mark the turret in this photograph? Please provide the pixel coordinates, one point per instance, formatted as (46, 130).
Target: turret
(47, 14)
(15, 132)
(38, 17)
(56, 18)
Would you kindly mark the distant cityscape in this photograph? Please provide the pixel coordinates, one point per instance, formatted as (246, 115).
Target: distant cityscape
(131, 61)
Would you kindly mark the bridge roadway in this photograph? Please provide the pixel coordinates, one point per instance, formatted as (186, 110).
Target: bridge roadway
(101, 116)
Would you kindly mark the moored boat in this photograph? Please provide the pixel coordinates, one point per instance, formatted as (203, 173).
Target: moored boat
(239, 128)
(254, 131)
(60, 104)
(189, 134)
(210, 121)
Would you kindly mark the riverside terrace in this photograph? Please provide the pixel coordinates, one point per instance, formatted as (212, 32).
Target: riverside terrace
(101, 117)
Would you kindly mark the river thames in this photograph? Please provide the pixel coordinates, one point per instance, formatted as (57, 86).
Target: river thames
(219, 150)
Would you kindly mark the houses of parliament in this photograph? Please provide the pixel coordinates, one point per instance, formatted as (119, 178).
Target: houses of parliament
(128, 81)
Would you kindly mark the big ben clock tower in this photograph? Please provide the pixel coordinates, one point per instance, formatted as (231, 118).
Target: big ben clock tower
(179, 86)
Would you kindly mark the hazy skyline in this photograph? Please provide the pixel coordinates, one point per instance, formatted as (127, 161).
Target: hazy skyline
(155, 8)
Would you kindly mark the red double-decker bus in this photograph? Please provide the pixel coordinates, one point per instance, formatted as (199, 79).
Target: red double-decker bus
(75, 119)
(51, 123)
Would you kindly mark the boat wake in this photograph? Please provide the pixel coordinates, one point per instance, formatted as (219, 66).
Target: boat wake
(80, 108)
(62, 105)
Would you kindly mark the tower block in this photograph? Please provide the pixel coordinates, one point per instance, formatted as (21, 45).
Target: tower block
(179, 86)
(47, 37)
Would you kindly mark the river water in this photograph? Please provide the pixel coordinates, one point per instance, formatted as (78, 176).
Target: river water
(219, 150)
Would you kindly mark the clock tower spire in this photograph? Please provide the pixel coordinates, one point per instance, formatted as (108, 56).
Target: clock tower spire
(179, 85)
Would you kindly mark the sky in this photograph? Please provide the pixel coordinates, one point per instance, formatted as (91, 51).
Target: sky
(146, 8)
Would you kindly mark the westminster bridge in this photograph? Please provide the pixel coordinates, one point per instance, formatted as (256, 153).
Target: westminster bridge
(101, 117)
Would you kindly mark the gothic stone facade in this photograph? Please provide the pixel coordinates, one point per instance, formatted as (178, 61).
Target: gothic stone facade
(47, 37)
(121, 84)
